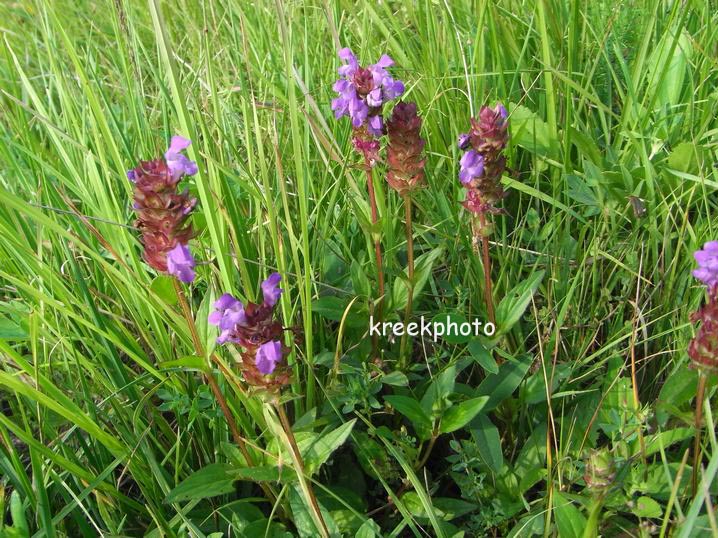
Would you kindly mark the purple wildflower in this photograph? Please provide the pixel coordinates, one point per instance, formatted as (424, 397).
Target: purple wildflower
(180, 263)
(472, 166)
(707, 259)
(267, 357)
(229, 312)
(270, 291)
(363, 91)
(178, 163)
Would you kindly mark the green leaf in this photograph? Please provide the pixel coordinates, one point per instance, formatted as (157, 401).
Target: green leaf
(191, 362)
(333, 308)
(369, 529)
(9, 330)
(685, 158)
(459, 415)
(436, 397)
(319, 451)
(666, 439)
(483, 356)
(412, 410)
(647, 507)
(163, 286)
(487, 439)
(422, 270)
(302, 518)
(396, 379)
(513, 305)
(443, 507)
(531, 132)
(360, 282)
(210, 481)
(501, 385)
(569, 519)
(452, 324)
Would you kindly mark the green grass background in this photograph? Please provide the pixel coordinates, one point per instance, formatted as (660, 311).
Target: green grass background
(608, 100)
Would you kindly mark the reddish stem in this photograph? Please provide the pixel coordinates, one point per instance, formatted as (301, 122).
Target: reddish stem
(488, 287)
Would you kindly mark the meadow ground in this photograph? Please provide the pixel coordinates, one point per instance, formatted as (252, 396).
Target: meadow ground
(121, 415)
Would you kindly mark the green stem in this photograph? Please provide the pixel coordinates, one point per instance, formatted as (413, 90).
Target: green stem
(314, 504)
(427, 452)
(486, 263)
(698, 427)
(594, 514)
(403, 353)
(377, 241)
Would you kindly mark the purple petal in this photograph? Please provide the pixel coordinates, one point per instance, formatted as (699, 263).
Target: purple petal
(131, 175)
(463, 141)
(177, 144)
(226, 301)
(267, 357)
(346, 54)
(341, 85)
(375, 125)
(385, 61)
(270, 289)
(215, 317)
(392, 88)
(374, 97)
(180, 263)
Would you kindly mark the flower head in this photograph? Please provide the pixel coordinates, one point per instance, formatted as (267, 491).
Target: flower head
(405, 149)
(254, 327)
(180, 263)
(162, 212)
(707, 271)
(703, 348)
(483, 164)
(362, 91)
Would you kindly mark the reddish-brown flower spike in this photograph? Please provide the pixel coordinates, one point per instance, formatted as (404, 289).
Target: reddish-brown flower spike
(161, 212)
(405, 150)
(703, 349)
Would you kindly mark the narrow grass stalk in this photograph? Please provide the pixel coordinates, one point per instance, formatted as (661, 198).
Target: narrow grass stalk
(299, 462)
(700, 395)
(403, 352)
(377, 241)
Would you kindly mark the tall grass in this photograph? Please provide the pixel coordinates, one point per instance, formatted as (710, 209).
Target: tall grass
(104, 411)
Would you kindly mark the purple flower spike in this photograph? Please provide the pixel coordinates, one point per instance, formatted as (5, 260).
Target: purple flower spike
(270, 290)
(178, 163)
(472, 166)
(268, 355)
(180, 263)
(707, 259)
(364, 91)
